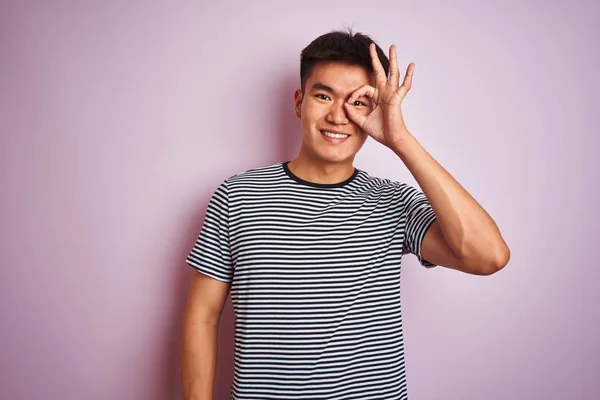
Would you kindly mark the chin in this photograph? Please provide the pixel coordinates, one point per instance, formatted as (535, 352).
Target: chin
(336, 158)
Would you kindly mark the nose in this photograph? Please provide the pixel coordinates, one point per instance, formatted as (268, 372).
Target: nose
(337, 114)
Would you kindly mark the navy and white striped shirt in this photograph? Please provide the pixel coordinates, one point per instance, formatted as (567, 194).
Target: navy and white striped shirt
(315, 281)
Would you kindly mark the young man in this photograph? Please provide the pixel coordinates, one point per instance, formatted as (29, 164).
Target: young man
(311, 249)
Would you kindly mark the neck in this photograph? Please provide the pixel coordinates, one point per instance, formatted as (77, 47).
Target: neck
(321, 172)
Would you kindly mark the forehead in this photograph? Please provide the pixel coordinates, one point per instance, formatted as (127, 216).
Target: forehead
(339, 76)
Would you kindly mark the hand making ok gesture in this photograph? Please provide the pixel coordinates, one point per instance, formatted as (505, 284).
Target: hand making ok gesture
(385, 122)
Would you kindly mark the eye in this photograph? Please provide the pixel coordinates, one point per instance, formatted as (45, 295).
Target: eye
(359, 103)
(322, 96)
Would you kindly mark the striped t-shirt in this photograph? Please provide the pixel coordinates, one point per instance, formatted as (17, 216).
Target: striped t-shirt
(315, 281)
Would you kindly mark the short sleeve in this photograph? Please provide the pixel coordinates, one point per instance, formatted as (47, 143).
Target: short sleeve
(419, 217)
(211, 253)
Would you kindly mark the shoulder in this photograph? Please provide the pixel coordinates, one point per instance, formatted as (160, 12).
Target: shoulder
(376, 184)
(259, 177)
(259, 172)
(386, 190)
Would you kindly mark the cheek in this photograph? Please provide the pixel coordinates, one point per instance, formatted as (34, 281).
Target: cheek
(312, 112)
(362, 137)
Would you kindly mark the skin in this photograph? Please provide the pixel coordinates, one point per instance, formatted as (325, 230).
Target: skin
(206, 299)
(347, 99)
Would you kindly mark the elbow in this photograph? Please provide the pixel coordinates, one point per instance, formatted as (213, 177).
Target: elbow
(495, 261)
(485, 263)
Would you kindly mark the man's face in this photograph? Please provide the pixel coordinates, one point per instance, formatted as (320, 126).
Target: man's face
(328, 134)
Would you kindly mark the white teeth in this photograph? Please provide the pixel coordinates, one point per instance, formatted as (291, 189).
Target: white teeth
(334, 135)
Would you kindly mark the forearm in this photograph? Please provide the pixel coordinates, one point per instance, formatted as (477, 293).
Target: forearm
(468, 229)
(199, 360)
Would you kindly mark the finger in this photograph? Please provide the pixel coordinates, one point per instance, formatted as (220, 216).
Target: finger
(394, 80)
(355, 115)
(380, 77)
(366, 90)
(407, 82)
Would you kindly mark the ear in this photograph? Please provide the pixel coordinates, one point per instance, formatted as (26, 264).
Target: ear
(298, 103)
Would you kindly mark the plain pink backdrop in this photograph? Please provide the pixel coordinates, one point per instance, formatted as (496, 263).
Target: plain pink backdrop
(119, 119)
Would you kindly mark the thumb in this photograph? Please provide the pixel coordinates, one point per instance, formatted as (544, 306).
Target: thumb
(355, 116)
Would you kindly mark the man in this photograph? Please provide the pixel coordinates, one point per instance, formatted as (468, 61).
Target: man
(311, 249)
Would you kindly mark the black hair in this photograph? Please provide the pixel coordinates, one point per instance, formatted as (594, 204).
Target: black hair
(344, 46)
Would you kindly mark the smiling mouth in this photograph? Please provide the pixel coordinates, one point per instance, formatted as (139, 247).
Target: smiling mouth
(334, 135)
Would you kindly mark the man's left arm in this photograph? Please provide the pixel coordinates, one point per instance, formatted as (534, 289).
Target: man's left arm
(464, 236)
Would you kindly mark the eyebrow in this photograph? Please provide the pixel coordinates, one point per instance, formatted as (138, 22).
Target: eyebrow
(320, 86)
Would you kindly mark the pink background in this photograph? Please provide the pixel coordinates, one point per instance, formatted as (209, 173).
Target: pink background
(119, 119)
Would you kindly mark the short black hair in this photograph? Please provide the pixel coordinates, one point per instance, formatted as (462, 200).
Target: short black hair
(344, 46)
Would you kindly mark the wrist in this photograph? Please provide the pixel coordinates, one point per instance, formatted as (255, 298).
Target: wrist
(405, 146)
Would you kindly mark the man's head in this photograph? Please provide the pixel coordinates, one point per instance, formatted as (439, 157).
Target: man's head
(332, 67)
